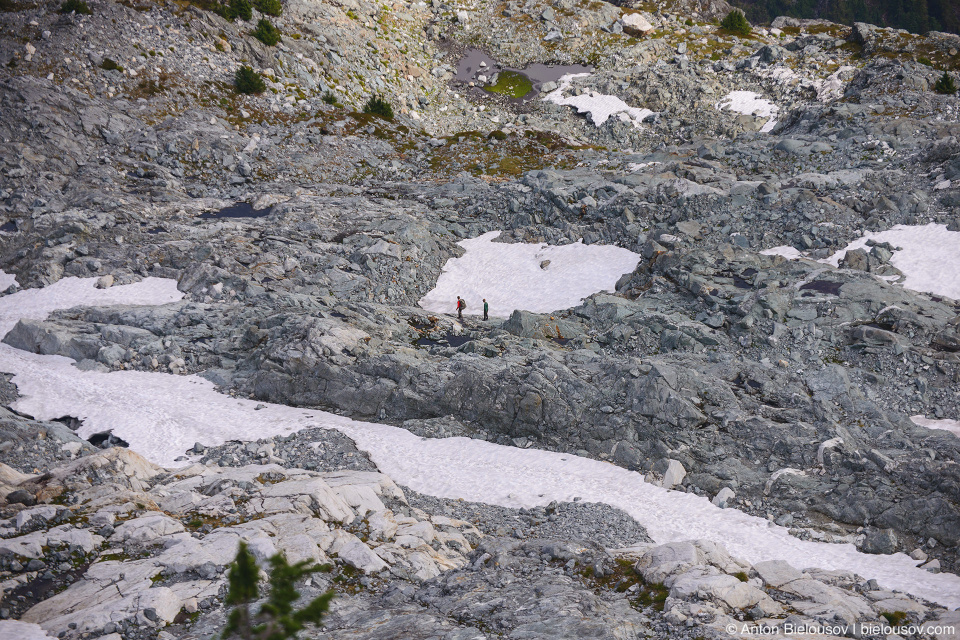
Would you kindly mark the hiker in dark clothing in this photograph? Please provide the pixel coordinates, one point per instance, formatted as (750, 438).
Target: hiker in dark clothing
(461, 305)
(486, 308)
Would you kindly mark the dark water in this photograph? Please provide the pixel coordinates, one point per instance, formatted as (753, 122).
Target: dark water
(823, 286)
(238, 210)
(448, 340)
(539, 74)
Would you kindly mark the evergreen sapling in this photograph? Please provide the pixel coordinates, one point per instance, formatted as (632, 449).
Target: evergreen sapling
(276, 619)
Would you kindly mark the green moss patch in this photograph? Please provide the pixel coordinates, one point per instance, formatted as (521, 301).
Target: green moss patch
(511, 84)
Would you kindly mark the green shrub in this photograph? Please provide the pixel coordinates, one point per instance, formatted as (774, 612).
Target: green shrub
(238, 9)
(266, 33)
(378, 107)
(945, 85)
(736, 22)
(276, 619)
(268, 7)
(329, 97)
(110, 65)
(741, 576)
(895, 618)
(925, 61)
(75, 6)
(249, 81)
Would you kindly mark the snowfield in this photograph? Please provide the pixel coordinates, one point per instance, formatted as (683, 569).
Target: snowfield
(783, 250)
(928, 255)
(6, 280)
(510, 277)
(953, 426)
(161, 415)
(751, 104)
(599, 107)
(16, 630)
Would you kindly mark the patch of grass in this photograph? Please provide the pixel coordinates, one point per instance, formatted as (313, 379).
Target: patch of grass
(736, 23)
(110, 65)
(267, 33)
(75, 6)
(925, 61)
(377, 106)
(511, 84)
(741, 576)
(352, 15)
(153, 86)
(248, 82)
(329, 97)
(268, 7)
(624, 578)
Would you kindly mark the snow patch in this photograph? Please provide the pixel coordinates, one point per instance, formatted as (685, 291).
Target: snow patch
(953, 426)
(831, 88)
(7, 280)
(783, 250)
(751, 104)
(510, 276)
(599, 106)
(16, 630)
(929, 256)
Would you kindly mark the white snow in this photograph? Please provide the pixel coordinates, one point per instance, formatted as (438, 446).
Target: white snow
(783, 250)
(161, 415)
(751, 104)
(509, 276)
(600, 106)
(16, 630)
(7, 279)
(831, 87)
(953, 426)
(930, 256)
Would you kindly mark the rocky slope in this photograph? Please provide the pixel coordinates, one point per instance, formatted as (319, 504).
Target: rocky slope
(783, 388)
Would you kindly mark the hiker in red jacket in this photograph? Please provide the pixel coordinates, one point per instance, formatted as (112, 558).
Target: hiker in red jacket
(461, 305)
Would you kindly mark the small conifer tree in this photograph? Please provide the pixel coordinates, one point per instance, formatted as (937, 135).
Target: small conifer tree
(249, 81)
(75, 6)
(736, 22)
(379, 107)
(267, 33)
(269, 7)
(276, 619)
(238, 9)
(945, 85)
